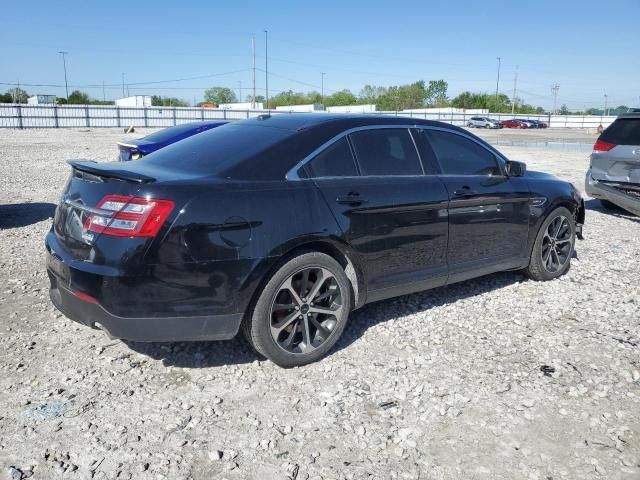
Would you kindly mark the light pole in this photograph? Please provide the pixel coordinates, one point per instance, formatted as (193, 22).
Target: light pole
(266, 66)
(606, 98)
(64, 63)
(322, 74)
(554, 88)
(497, 84)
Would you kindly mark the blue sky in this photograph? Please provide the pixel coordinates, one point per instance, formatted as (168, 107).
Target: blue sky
(590, 48)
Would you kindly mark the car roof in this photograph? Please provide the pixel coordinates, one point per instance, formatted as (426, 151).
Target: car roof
(629, 115)
(302, 121)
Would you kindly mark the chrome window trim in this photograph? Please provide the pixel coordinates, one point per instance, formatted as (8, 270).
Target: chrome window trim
(292, 174)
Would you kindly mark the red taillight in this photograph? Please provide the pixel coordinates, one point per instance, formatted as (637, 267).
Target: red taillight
(602, 146)
(85, 297)
(132, 216)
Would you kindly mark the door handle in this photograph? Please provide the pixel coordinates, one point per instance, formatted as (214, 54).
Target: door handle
(464, 192)
(351, 199)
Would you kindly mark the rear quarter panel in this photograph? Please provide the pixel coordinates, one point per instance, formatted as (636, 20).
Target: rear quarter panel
(226, 238)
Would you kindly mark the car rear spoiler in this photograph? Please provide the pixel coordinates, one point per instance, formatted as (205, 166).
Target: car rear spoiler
(106, 170)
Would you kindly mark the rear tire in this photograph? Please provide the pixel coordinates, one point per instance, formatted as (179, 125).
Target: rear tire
(553, 247)
(301, 311)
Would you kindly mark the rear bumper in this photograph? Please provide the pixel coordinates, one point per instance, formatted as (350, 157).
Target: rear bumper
(597, 189)
(150, 329)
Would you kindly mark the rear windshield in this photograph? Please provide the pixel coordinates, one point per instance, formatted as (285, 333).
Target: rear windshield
(168, 133)
(217, 149)
(623, 131)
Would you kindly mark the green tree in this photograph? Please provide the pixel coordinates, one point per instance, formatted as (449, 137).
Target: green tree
(14, 95)
(79, 98)
(259, 99)
(437, 93)
(370, 94)
(218, 95)
(564, 110)
(343, 97)
(160, 101)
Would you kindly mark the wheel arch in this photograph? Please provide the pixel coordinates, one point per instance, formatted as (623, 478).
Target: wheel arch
(330, 246)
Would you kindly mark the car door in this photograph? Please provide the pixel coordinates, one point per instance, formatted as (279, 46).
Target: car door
(392, 215)
(488, 210)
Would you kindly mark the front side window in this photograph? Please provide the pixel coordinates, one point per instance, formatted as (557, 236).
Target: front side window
(386, 151)
(460, 156)
(334, 161)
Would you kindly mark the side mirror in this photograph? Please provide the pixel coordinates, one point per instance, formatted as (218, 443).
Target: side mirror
(516, 169)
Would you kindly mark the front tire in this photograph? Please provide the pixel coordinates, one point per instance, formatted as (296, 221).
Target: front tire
(553, 247)
(301, 311)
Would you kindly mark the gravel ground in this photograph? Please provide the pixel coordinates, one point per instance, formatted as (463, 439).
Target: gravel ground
(496, 378)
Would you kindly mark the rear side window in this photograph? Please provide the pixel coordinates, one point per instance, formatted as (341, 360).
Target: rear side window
(623, 131)
(215, 150)
(387, 151)
(460, 156)
(335, 161)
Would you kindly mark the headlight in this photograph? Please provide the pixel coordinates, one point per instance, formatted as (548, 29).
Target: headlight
(136, 156)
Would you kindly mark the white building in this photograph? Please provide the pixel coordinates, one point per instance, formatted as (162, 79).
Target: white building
(134, 101)
(42, 100)
(313, 107)
(445, 110)
(241, 106)
(370, 108)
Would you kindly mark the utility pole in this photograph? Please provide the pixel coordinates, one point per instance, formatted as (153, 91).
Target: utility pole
(554, 88)
(498, 83)
(515, 86)
(322, 86)
(104, 96)
(123, 95)
(606, 98)
(266, 66)
(253, 49)
(64, 63)
(240, 91)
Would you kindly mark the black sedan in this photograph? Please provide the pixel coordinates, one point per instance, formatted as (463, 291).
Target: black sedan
(280, 226)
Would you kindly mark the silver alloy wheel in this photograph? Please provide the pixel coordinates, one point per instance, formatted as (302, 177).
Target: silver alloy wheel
(557, 244)
(305, 310)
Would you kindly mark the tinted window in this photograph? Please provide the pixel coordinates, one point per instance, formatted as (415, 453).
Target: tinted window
(624, 131)
(215, 150)
(460, 156)
(334, 161)
(386, 152)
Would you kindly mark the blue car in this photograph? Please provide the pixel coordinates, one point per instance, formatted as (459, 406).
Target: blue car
(149, 144)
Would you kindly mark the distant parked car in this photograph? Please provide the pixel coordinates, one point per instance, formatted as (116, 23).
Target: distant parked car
(144, 146)
(634, 110)
(483, 122)
(538, 124)
(514, 123)
(614, 169)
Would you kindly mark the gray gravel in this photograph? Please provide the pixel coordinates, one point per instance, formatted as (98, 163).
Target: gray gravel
(496, 378)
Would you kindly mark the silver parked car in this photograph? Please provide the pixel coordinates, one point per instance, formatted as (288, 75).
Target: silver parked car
(483, 122)
(614, 171)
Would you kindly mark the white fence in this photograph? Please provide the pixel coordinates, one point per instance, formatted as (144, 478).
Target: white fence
(64, 116)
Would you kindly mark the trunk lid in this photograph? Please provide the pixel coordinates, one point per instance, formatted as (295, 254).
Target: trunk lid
(88, 184)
